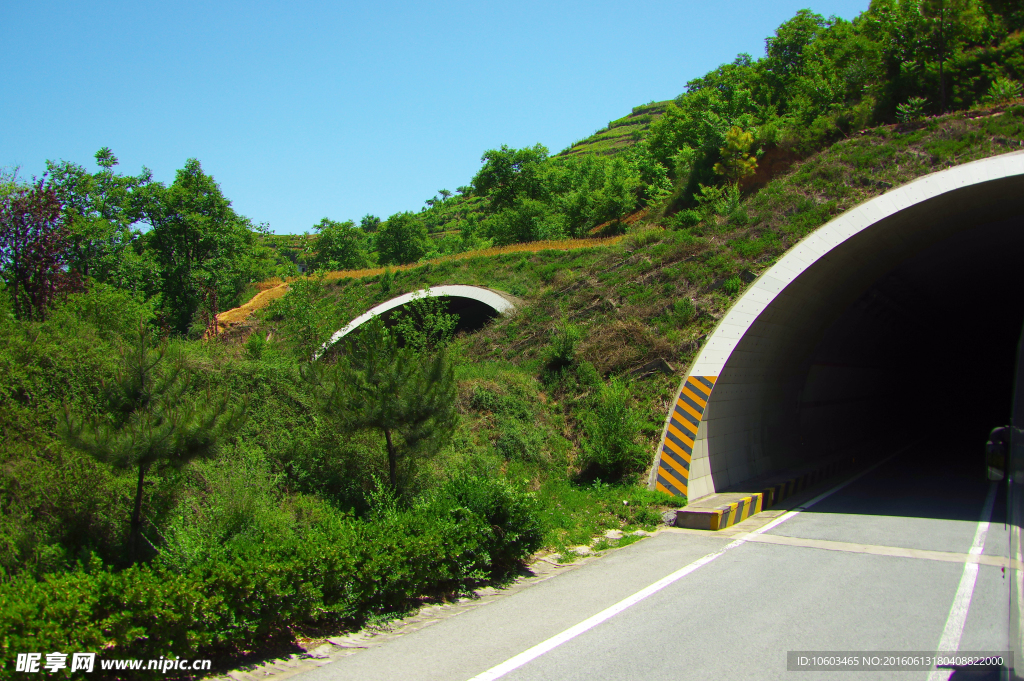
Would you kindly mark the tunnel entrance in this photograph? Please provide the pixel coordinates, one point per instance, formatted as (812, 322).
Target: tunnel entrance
(901, 315)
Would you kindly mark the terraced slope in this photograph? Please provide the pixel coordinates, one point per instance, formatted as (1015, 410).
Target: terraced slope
(620, 133)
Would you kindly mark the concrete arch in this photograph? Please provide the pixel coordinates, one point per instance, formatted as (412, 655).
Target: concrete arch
(474, 300)
(813, 354)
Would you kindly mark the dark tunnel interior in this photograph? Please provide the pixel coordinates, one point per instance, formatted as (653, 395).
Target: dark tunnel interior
(928, 351)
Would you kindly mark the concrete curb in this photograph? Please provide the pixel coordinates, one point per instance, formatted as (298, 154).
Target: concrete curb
(721, 516)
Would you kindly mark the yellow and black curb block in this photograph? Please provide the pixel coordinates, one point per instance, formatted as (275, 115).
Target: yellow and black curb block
(719, 517)
(673, 472)
(741, 507)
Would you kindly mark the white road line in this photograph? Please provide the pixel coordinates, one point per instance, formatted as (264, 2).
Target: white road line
(954, 629)
(587, 624)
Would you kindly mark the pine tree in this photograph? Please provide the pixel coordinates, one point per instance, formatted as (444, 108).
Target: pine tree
(737, 162)
(151, 420)
(404, 392)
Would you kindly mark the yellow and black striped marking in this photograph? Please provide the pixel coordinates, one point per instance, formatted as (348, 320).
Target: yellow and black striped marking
(736, 512)
(776, 493)
(676, 450)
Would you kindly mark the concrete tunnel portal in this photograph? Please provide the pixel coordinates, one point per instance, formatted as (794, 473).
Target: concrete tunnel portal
(474, 306)
(901, 316)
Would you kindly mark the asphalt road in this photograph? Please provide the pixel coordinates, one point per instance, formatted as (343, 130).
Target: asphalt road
(875, 566)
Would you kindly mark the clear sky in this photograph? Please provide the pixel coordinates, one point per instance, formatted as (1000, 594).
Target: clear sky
(306, 110)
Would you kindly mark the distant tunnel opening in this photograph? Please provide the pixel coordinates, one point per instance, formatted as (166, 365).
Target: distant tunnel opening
(898, 321)
(474, 306)
(473, 315)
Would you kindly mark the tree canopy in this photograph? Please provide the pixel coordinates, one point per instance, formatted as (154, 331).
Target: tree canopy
(402, 239)
(339, 246)
(204, 249)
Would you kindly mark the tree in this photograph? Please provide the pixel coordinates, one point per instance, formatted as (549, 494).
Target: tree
(510, 175)
(528, 220)
(785, 49)
(102, 209)
(405, 394)
(402, 239)
(445, 194)
(369, 223)
(945, 23)
(305, 314)
(34, 245)
(339, 246)
(151, 420)
(736, 162)
(203, 247)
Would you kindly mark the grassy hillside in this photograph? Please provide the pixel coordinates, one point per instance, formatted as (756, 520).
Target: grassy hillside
(527, 404)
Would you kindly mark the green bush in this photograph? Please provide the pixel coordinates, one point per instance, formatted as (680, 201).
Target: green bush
(518, 439)
(253, 591)
(611, 450)
(564, 340)
(1003, 90)
(912, 110)
(511, 525)
(683, 311)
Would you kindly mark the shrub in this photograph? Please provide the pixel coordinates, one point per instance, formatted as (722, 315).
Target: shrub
(1003, 90)
(564, 340)
(518, 439)
(512, 529)
(683, 311)
(644, 237)
(254, 591)
(912, 110)
(612, 426)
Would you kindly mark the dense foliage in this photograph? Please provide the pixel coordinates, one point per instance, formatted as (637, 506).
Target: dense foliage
(183, 241)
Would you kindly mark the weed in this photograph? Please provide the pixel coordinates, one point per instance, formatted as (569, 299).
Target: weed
(732, 286)
(564, 340)
(629, 539)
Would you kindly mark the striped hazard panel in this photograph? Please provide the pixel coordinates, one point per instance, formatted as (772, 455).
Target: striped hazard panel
(676, 450)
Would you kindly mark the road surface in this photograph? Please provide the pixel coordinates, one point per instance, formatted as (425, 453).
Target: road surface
(878, 565)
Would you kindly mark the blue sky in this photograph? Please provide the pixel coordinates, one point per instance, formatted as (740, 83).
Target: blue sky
(306, 110)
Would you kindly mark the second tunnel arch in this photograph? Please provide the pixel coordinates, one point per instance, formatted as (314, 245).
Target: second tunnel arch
(473, 304)
(819, 345)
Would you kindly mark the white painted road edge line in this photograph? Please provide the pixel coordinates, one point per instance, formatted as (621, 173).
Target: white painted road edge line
(954, 629)
(587, 624)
